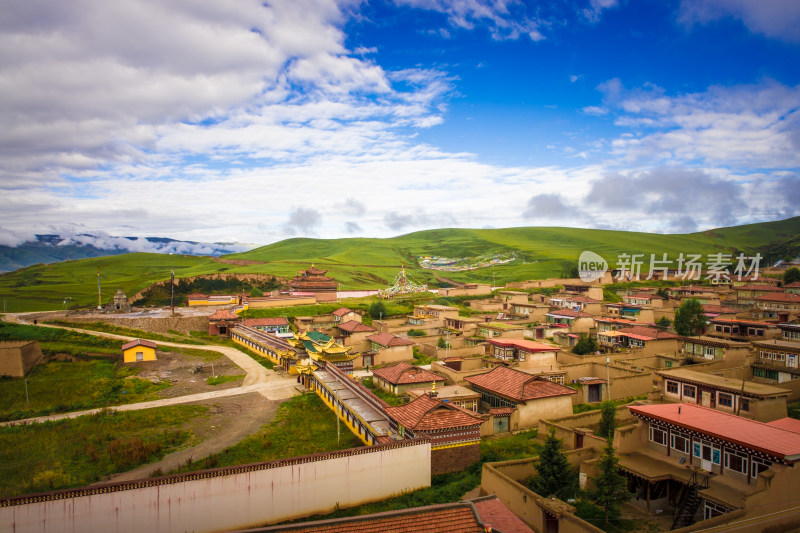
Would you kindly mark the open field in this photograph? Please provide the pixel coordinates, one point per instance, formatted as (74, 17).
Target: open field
(76, 452)
(85, 372)
(372, 263)
(302, 426)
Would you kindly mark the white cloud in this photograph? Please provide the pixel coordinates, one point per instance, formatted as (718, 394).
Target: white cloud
(750, 126)
(778, 19)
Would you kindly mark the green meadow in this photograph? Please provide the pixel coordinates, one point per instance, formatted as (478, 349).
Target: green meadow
(362, 263)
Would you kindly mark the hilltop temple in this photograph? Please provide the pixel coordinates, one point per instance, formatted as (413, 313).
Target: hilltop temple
(314, 281)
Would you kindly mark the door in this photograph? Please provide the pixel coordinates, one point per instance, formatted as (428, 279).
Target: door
(705, 460)
(594, 393)
(706, 399)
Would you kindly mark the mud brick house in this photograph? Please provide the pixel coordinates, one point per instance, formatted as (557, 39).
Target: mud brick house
(778, 305)
(354, 333)
(17, 358)
(741, 329)
(644, 340)
(702, 348)
(532, 397)
(523, 353)
(221, 322)
(386, 348)
(758, 401)
(456, 394)
(777, 360)
(454, 432)
(401, 377)
(697, 463)
(278, 326)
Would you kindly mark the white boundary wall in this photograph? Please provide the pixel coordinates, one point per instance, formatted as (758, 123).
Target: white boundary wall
(227, 498)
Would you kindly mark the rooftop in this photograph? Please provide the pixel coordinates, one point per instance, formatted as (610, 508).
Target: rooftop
(268, 321)
(223, 314)
(517, 385)
(747, 388)
(429, 414)
(404, 373)
(646, 333)
(342, 311)
(139, 342)
(749, 433)
(354, 326)
(387, 339)
(528, 346)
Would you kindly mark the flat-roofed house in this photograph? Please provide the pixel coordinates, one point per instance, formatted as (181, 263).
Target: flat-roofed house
(704, 348)
(778, 305)
(645, 340)
(278, 326)
(523, 353)
(746, 294)
(758, 401)
(532, 397)
(741, 329)
(777, 360)
(576, 321)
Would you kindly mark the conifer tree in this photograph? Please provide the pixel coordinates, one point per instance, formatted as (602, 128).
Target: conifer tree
(555, 475)
(611, 487)
(607, 424)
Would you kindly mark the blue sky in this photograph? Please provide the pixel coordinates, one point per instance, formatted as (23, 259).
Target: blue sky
(256, 121)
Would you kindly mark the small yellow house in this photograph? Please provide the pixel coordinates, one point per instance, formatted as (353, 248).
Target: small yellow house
(138, 350)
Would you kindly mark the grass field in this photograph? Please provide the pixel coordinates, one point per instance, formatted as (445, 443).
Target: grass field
(92, 379)
(373, 263)
(302, 426)
(76, 452)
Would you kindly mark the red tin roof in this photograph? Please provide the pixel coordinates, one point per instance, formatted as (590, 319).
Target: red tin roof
(749, 433)
(430, 414)
(387, 339)
(139, 342)
(404, 373)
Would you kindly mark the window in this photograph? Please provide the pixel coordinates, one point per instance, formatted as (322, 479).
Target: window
(659, 436)
(758, 465)
(744, 404)
(680, 443)
(736, 461)
(140, 356)
(672, 386)
(758, 372)
(725, 400)
(667, 364)
(690, 391)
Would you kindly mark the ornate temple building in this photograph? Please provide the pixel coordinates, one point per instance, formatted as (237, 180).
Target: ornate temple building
(314, 281)
(321, 347)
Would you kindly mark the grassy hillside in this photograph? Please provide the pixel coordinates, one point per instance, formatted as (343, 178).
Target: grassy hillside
(373, 263)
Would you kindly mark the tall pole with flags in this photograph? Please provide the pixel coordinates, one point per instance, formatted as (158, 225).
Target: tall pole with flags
(172, 290)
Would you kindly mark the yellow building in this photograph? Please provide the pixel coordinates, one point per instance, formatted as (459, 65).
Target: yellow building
(138, 350)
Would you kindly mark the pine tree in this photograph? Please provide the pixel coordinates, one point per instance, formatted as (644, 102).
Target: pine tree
(555, 475)
(611, 486)
(607, 424)
(585, 345)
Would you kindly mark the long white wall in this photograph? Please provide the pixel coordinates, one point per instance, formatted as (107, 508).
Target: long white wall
(230, 498)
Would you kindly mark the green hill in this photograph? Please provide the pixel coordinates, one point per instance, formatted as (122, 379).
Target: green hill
(372, 263)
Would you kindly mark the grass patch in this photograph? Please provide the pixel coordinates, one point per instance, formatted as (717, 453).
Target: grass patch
(54, 340)
(219, 380)
(302, 426)
(76, 452)
(387, 397)
(584, 407)
(130, 332)
(65, 386)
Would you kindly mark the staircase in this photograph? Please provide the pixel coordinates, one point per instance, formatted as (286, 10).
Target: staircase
(690, 501)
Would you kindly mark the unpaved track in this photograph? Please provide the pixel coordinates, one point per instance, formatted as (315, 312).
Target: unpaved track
(269, 384)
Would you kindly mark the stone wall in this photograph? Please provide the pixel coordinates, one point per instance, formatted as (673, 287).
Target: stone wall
(182, 324)
(17, 358)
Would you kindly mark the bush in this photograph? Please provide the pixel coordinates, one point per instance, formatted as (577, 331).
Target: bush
(415, 333)
(377, 310)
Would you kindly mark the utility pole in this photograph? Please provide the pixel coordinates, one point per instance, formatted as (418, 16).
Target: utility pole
(99, 299)
(172, 290)
(27, 401)
(608, 379)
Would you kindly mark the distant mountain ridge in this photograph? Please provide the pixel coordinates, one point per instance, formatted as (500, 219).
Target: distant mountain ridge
(54, 248)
